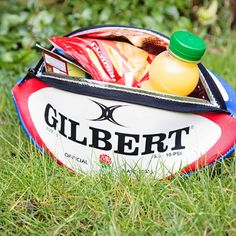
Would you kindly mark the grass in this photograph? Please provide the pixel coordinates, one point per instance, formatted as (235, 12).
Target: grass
(38, 197)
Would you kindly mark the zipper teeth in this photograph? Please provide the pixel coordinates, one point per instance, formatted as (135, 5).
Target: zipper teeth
(208, 91)
(130, 90)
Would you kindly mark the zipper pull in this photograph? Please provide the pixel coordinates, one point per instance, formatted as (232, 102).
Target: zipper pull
(31, 73)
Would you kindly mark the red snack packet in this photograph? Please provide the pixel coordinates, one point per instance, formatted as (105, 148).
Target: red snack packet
(107, 60)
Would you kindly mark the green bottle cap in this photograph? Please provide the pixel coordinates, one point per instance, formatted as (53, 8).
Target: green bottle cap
(187, 46)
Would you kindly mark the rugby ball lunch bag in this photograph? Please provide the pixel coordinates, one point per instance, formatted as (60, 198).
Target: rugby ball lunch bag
(88, 125)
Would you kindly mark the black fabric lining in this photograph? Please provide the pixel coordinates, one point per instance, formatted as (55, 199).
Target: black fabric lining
(129, 97)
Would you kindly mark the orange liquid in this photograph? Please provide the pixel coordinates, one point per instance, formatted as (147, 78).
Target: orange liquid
(170, 75)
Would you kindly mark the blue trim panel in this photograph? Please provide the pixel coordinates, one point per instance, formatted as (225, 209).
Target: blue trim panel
(231, 103)
(220, 159)
(25, 128)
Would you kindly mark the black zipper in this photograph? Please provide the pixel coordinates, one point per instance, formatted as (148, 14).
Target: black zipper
(213, 87)
(82, 29)
(114, 92)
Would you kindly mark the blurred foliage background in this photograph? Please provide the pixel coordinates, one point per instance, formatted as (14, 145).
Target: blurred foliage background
(40, 199)
(23, 23)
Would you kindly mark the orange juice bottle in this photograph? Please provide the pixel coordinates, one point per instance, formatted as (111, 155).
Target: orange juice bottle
(175, 70)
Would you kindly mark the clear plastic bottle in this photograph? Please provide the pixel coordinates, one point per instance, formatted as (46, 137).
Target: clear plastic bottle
(175, 70)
